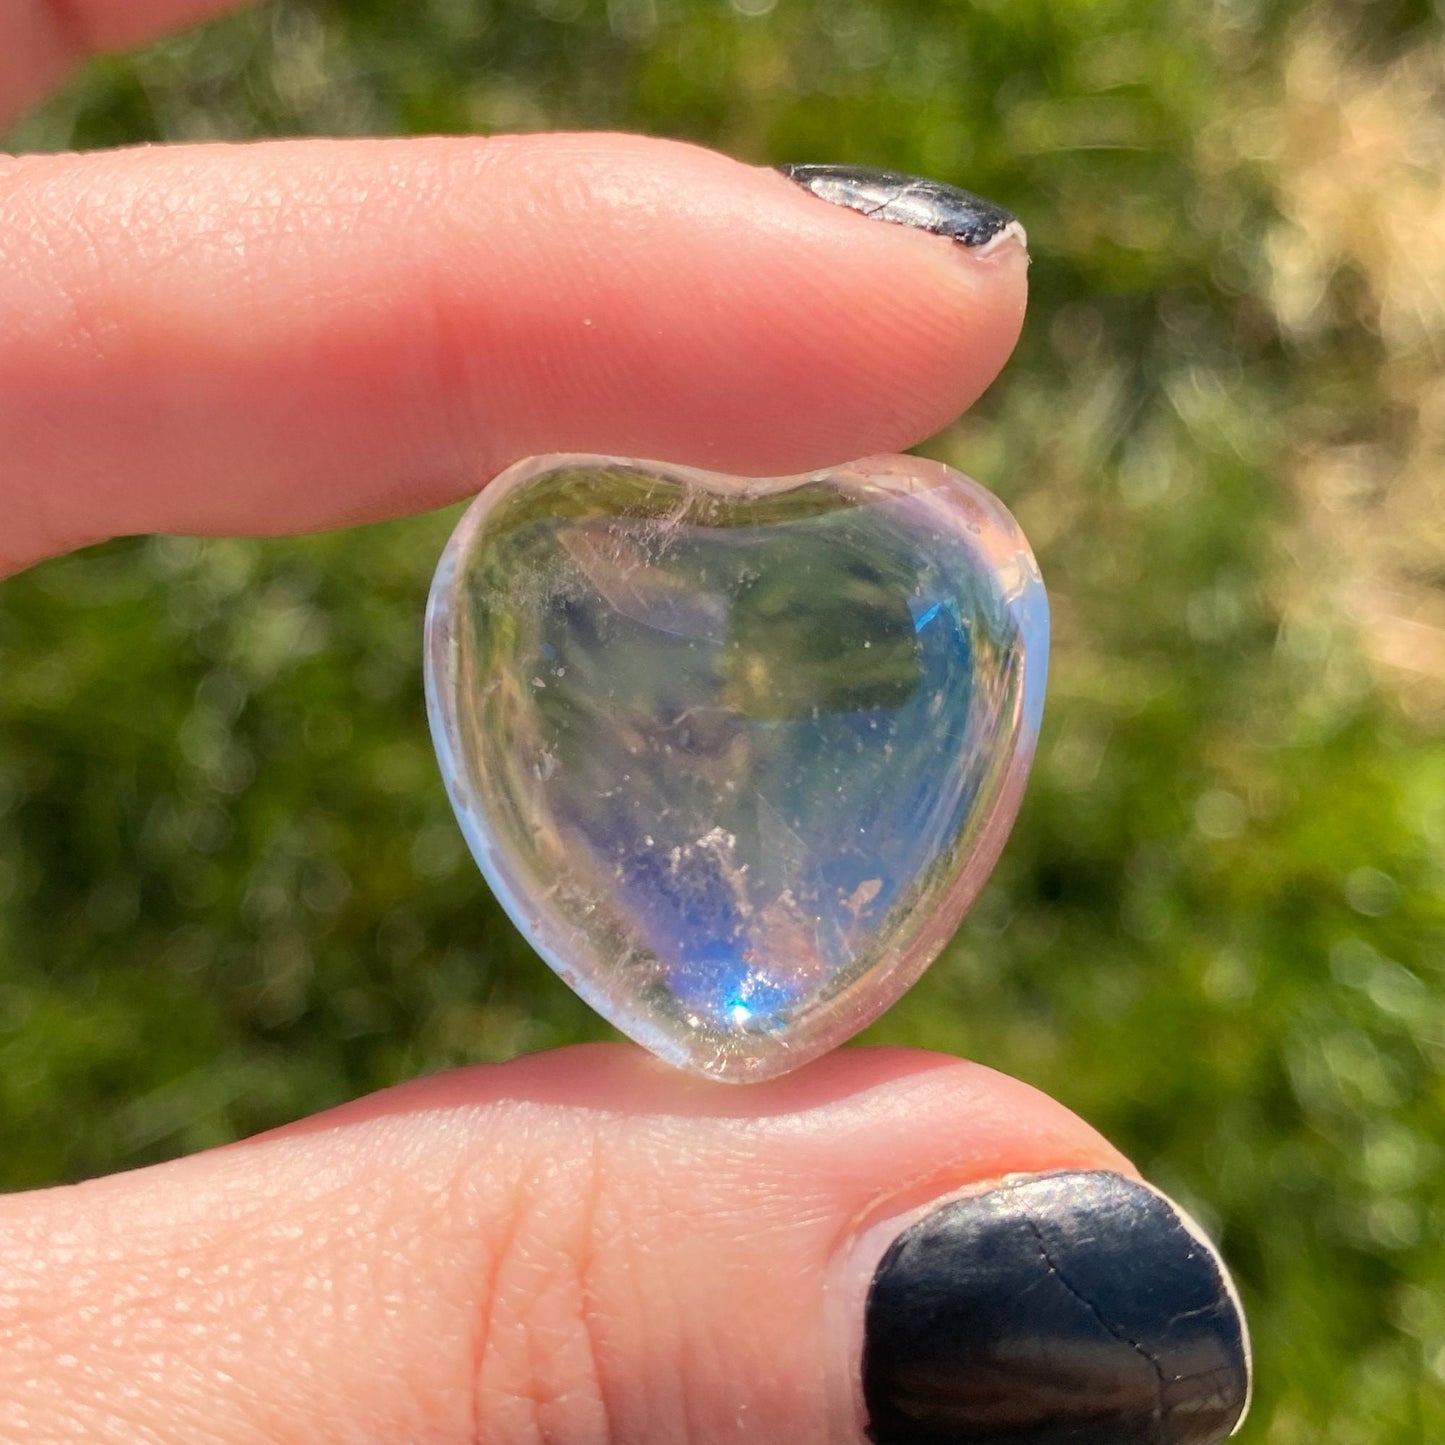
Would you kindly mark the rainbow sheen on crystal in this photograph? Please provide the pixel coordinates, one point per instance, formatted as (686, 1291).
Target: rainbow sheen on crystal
(735, 754)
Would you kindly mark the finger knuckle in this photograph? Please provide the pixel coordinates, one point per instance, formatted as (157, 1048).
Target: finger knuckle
(542, 1373)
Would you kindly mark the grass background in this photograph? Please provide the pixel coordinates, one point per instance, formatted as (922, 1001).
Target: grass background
(230, 888)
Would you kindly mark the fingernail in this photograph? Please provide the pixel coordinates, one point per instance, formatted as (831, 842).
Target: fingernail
(1082, 1308)
(911, 201)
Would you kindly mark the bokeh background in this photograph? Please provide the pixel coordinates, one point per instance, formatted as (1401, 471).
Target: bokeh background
(231, 891)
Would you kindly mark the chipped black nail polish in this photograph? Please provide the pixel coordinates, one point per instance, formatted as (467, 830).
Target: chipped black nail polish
(908, 201)
(1066, 1309)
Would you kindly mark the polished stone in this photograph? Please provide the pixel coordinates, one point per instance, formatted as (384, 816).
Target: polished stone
(736, 755)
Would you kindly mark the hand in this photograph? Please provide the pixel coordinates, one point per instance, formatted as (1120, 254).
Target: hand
(583, 1246)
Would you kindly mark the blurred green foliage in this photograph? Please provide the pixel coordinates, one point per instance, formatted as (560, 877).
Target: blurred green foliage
(231, 891)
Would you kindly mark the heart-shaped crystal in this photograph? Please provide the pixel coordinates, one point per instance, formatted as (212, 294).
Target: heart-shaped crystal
(736, 754)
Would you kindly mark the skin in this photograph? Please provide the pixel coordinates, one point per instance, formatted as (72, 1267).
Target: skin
(574, 1247)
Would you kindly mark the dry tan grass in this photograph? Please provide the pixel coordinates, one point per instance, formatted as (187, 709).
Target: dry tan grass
(1357, 261)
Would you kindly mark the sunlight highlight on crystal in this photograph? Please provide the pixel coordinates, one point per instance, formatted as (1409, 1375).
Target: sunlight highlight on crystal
(735, 754)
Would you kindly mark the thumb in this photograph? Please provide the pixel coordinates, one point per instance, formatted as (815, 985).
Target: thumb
(583, 1247)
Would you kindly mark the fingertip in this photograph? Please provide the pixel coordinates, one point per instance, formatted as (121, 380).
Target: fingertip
(914, 325)
(959, 262)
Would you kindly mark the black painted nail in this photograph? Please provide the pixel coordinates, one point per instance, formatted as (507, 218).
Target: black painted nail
(1082, 1308)
(909, 201)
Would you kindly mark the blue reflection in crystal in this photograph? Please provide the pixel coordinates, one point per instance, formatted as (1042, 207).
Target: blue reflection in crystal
(922, 619)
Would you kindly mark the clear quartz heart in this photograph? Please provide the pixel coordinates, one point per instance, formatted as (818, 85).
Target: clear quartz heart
(736, 755)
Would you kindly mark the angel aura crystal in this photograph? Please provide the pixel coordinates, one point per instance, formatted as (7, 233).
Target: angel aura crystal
(736, 755)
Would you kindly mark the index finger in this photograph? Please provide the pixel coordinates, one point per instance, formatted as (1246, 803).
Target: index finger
(280, 337)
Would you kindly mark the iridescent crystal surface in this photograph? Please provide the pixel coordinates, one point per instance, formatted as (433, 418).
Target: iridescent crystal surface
(736, 754)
